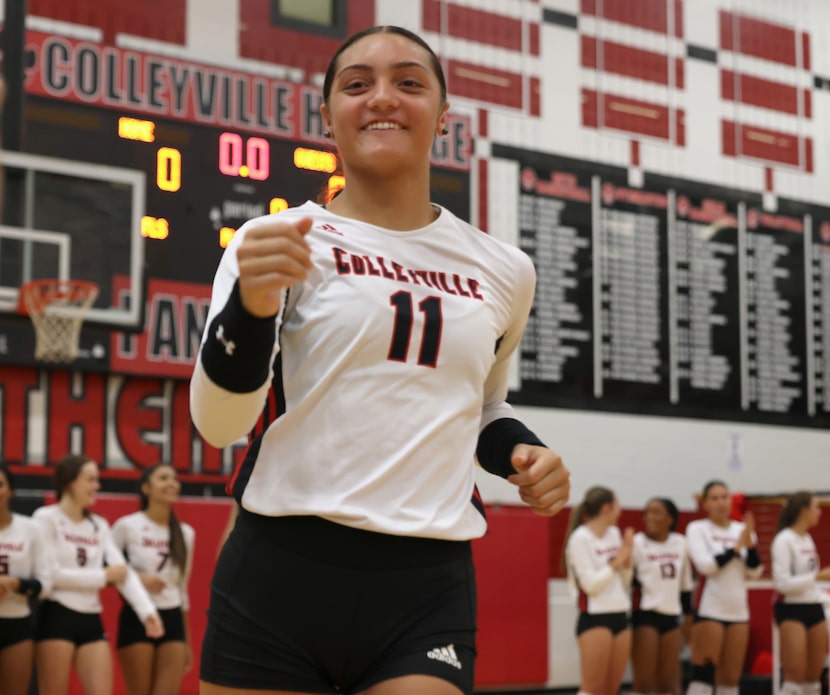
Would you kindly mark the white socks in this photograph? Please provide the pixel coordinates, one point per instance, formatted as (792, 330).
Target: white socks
(809, 688)
(699, 688)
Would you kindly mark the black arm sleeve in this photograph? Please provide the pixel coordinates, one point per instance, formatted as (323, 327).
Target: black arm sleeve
(725, 557)
(496, 443)
(237, 352)
(686, 602)
(753, 559)
(29, 587)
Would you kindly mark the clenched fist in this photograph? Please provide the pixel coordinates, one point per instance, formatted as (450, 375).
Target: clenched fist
(271, 257)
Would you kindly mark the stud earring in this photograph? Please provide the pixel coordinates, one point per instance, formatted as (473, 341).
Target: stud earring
(326, 134)
(445, 131)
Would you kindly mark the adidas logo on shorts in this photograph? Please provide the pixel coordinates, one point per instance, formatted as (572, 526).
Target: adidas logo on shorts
(446, 654)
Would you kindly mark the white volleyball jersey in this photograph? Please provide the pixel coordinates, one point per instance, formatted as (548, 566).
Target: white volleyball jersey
(595, 585)
(146, 546)
(795, 563)
(662, 571)
(394, 355)
(22, 555)
(79, 551)
(722, 593)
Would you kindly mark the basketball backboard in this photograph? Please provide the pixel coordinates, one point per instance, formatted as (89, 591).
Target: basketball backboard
(73, 221)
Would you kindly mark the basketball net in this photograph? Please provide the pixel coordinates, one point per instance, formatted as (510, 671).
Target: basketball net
(57, 309)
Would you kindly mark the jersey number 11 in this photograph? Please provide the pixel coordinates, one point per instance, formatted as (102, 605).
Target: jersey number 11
(402, 331)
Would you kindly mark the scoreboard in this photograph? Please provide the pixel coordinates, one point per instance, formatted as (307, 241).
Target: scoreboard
(217, 145)
(202, 182)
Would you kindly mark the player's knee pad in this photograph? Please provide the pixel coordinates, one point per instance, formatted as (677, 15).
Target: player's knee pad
(703, 673)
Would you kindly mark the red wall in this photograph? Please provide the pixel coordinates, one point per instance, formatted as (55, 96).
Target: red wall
(511, 569)
(162, 20)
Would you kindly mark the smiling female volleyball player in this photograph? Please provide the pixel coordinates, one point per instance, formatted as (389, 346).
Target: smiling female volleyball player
(598, 560)
(84, 559)
(724, 552)
(160, 549)
(386, 325)
(663, 591)
(799, 612)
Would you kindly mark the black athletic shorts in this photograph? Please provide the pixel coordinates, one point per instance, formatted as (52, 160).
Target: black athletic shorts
(807, 613)
(616, 622)
(661, 622)
(55, 621)
(725, 623)
(14, 630)
(300, 603)
(131, 630)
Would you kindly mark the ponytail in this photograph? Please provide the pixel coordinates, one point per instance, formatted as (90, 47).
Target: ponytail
(575, 519)
(178, 550)
(792, 509)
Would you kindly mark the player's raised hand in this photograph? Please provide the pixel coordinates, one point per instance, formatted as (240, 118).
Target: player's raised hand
(746, 540)
(543, 481)
(627, 546)
(271, 257)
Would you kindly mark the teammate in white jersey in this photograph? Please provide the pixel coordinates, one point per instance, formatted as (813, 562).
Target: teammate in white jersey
(83, 559)
(663, 593)
(23, 575)
(598, 560)
(799, 611)
(724, 553)
(383, 327)
(160, 549)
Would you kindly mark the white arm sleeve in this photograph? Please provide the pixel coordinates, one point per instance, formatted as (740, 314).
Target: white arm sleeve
(119, 535)
(223, 417)
(686, 580)
(497, 383)
(131, 588)
(190, 541)
(43, 569)
(700, 553)
(783, 578)
(580, 562)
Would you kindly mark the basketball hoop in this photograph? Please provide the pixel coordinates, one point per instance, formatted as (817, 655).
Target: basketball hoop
(57, 309)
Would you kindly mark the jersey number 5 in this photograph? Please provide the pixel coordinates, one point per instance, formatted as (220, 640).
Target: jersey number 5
(402, 331)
